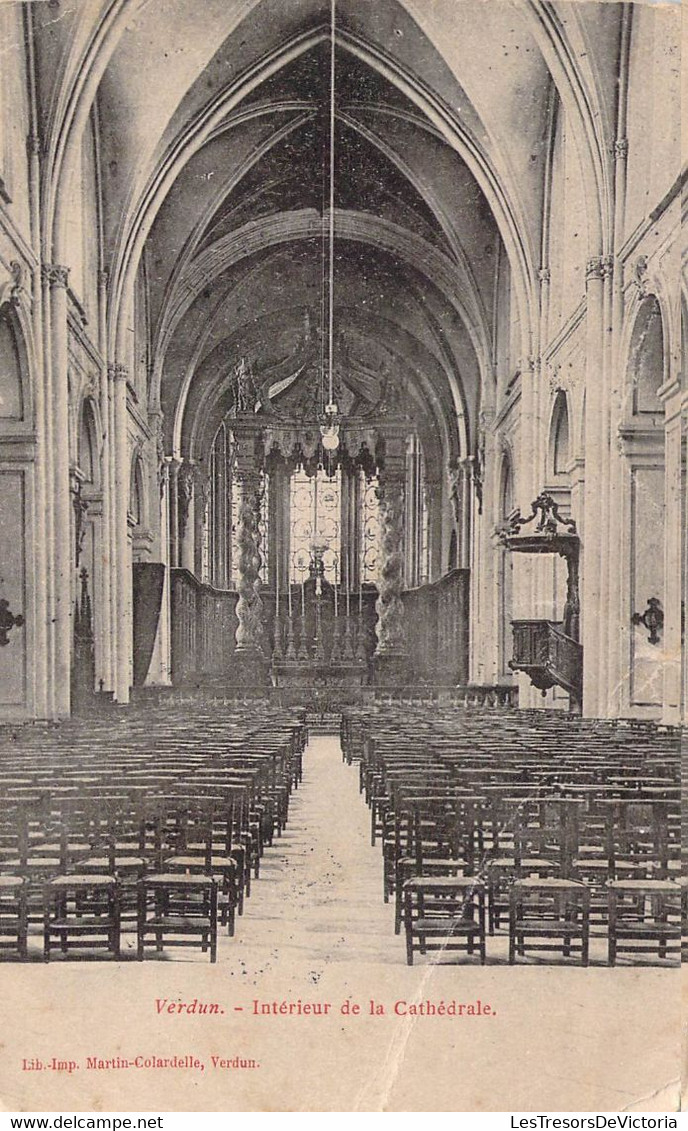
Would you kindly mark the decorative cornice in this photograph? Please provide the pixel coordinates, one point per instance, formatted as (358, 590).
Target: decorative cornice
(55, 275)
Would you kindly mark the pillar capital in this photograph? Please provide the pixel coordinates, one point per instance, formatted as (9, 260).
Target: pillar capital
(599, 267)
(118, 372)
(621, 149)
(55, 275)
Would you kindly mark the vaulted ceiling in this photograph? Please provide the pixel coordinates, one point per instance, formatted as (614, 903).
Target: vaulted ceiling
(214, 132)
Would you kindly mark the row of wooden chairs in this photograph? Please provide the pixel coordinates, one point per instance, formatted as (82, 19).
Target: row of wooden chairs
(556, 830)
(174, 843)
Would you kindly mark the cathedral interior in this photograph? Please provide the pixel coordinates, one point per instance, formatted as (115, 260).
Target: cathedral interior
(341, 387)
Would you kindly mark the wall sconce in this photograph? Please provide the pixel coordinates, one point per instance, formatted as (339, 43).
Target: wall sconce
(652, 618)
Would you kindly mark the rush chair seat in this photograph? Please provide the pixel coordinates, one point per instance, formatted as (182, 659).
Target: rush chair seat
(14, 921)
(553, 909)
(118, 845)
(177, 910)
(443, 913)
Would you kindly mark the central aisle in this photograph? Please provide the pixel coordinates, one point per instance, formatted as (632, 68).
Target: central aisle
(319, 896)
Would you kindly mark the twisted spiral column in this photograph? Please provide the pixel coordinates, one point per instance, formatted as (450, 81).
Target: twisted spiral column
(249, 609)
(391, 628)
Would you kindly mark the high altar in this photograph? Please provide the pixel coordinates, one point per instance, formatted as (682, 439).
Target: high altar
(316, 537)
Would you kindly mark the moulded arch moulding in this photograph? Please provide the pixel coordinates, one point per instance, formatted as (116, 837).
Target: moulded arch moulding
(185, 258)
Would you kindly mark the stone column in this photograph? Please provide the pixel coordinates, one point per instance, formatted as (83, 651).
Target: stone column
(391, 654)
(594, 533)
(41, 680)
(56, 279)
(684, 582)
(186, 521)
(173, 504)
(674, 565)
(251, 661)
(200, 516)
(122, 468)
(103, 597)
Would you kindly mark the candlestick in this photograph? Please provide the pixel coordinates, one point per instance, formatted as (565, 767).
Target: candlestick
(303, 598)
(347, 583)
(289, 597)
(277, 583)
(291, 647)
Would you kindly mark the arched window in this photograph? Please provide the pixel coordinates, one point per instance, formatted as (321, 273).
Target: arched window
(315, 510)
(136, 497)
(559, 443)
(646, 363)
(11, 399)
(87, 450)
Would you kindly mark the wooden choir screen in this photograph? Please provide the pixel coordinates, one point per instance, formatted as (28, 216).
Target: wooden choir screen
(203, 628)
(437, 629)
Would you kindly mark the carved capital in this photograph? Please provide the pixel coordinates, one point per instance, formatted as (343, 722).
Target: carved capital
(55, 275)
(118, 372)
(621, 149)
(593, 268)
(34, 145)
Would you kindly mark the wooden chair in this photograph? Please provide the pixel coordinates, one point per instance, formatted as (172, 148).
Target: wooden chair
(14, 922)
(81, 912)
(444, 913)
(644, 918)
(177, 910)
(549, 908)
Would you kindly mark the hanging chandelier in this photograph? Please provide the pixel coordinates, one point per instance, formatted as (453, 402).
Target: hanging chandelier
(329, 428)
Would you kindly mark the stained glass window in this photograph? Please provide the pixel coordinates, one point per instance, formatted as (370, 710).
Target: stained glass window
(315, 516)
(371, 529)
